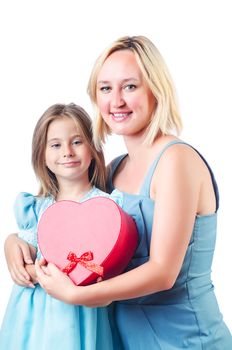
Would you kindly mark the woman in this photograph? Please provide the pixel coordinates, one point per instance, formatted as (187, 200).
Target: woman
(166, 299)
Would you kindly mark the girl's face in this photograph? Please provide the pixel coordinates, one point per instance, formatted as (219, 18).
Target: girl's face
(67, 154)
(124, 99)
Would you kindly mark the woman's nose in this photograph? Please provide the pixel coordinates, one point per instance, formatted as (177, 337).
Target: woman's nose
(117, 99)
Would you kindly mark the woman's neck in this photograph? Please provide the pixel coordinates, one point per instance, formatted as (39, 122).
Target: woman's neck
(135, 146)
(137, 150)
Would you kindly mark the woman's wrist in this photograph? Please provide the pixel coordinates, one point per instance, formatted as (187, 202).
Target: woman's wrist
(91, 296)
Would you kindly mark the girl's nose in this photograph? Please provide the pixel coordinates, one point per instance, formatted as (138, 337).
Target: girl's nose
(68, 152)
(68, 155)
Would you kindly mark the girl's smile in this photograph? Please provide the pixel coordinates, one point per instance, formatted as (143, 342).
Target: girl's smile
(71, 164)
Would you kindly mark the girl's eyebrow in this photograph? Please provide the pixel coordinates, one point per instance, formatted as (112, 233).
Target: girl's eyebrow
(123, 81)
(59, 139)
(53, 139)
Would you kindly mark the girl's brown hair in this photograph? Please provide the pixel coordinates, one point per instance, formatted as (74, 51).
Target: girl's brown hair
(48, 182)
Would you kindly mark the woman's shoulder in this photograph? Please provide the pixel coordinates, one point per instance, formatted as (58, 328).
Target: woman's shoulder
(179, 163)
(115, 162)
(175, 150)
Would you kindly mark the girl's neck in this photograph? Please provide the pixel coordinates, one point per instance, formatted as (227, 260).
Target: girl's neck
(73, 192)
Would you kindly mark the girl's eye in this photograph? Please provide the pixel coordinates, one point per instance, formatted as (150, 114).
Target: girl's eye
(76, 142)
(130, 87)
(55, 145)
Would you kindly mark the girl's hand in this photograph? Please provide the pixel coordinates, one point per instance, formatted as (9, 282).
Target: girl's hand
(30, 268)
(54, 282)
(18, 253)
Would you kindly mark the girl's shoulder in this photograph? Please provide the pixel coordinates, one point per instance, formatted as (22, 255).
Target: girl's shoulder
(115, 195)
(28, 207)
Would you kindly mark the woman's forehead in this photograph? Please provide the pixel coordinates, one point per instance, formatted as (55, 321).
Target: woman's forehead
(121, 64)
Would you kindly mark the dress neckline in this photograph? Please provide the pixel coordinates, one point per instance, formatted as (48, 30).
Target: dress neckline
(82, 199)
(144, 190)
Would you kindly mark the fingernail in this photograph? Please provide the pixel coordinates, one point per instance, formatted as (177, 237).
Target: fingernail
(29, 261)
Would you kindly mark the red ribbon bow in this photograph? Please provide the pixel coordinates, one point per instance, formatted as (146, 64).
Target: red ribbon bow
(84, 260)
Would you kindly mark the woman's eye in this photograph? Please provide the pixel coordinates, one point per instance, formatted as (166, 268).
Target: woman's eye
(105, 88)
(130, 87)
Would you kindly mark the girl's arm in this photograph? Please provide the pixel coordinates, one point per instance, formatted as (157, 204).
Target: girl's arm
(18, 253)
(176, 188)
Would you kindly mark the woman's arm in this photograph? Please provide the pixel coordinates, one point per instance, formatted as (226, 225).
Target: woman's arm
(176, 189)
(132, 284)
(17, 253)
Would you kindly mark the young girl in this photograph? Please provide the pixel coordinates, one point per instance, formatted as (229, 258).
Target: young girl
(68, 167)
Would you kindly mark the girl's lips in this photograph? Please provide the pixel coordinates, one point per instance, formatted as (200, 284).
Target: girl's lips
(70, 164)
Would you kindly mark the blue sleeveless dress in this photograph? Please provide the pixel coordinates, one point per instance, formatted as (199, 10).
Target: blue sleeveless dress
(36, 321)
(186, 316)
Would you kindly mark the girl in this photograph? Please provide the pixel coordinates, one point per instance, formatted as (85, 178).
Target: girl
(68, 167)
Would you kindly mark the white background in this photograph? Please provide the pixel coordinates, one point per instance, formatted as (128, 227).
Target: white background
(47, 52)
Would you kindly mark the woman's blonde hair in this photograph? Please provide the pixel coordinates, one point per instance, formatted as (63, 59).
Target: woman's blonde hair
(166, 117)
(48, 182)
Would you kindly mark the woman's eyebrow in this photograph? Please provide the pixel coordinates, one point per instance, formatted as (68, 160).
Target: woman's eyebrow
(123, 81)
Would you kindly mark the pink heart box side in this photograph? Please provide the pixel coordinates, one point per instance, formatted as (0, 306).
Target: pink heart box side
(98, 225)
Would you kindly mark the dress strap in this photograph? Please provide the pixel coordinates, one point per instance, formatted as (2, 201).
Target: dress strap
(145, 189)
(112, 168)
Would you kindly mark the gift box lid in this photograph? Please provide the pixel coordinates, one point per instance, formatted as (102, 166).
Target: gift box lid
(87, 240)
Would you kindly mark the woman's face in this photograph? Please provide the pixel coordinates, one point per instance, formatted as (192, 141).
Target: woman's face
(124, 99)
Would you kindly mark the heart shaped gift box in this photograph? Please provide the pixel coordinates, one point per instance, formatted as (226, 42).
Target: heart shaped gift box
(87, 240)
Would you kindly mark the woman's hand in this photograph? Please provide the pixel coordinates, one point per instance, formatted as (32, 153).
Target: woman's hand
(54, 282)
(59, 285)
(18, 253)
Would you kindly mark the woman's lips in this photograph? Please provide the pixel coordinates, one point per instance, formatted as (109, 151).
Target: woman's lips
(120, 117)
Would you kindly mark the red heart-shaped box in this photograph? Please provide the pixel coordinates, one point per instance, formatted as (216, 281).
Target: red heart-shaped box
(97, 225)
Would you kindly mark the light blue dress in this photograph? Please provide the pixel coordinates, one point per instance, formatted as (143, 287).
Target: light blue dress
(186, 316)
(36, 321)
